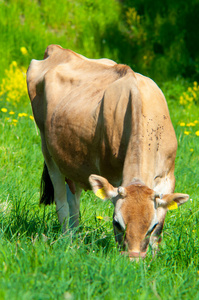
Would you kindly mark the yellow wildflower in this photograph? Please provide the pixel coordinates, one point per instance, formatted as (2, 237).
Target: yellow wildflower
(181, 100)
(31, 117)
(13, 86)
(191, 124)
(194, 94)
(24, 51)
(189, 89)
(22, 115)
(182, 124)
(4, 110)
(11, 113)
(99, 218)
(14, 122)
(191, 150)
(190, 96)
(187, 132)
(14, 64)
(197, 133)
(196, 121)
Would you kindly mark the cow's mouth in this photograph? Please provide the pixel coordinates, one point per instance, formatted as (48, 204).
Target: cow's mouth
(134, 254)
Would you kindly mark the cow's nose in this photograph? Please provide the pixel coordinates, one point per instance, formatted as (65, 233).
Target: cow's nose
(134, 254)
(137, 254)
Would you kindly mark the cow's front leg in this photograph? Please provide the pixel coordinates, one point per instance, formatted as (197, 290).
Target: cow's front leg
(155, 240)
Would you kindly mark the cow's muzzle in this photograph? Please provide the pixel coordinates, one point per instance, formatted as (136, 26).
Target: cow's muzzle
(134, 254)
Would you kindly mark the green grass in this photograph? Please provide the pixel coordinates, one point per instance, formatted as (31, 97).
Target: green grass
(78, 25)
(36, 260)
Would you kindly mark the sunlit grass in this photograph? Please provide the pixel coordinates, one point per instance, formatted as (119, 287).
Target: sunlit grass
(38, 262)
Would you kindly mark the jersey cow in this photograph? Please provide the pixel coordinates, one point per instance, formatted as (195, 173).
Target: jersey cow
(108, 128)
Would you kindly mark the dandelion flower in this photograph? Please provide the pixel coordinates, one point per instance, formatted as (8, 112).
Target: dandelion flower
(99, 217)
(191, 150)
(14, 121)
(14, 84)
(197, 133)
(188, 132)
(31, 117)
(191, 124)
(182, 124)
(196, 121)
(24, 51)
(4, 110)
(14, 64)
(182, 100)
(11, 113)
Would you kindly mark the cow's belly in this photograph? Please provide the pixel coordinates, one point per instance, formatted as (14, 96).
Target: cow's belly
(79, 152)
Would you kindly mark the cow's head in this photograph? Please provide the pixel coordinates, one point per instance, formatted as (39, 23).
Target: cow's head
(139, 213)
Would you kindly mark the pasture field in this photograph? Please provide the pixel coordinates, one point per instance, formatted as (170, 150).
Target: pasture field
(36, 260)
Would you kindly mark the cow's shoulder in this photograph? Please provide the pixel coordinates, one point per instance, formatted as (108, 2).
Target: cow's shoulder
(153, 99)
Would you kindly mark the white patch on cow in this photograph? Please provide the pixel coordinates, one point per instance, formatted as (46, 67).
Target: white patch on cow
(113, 193)
(164, 186)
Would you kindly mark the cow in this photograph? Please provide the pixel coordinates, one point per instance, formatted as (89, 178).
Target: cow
(106, 128)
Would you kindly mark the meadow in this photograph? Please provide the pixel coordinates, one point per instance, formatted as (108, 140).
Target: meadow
(36, 260)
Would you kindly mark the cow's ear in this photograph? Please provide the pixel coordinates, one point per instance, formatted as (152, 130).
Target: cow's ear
(172, 201)
(102, 188)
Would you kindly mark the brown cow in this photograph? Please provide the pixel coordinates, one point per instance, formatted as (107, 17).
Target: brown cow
(99, 117)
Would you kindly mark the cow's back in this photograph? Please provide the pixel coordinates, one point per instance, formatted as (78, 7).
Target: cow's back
(101, 118)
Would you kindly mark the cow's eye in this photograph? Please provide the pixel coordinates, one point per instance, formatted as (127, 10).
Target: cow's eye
(151, 229)
(117, 225)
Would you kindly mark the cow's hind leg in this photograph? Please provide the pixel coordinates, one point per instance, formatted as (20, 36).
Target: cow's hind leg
(73, 199)
(53, 189)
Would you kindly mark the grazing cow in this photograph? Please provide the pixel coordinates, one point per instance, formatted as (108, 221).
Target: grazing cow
(99, 117)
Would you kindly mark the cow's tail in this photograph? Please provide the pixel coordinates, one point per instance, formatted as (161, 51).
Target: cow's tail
(46, 188)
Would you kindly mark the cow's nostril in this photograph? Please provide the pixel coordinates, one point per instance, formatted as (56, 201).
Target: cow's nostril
(137, 254)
